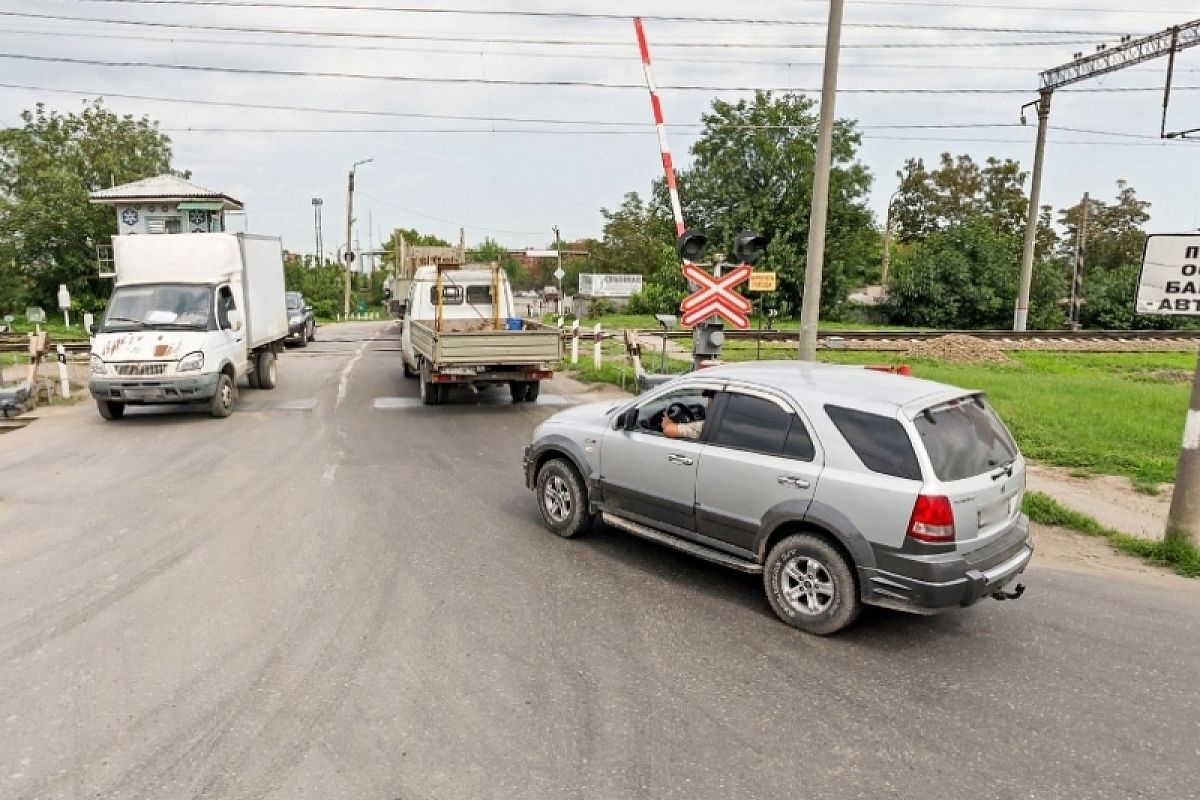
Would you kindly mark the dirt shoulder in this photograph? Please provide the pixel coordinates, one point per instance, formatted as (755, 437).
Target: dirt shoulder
(1111, 500)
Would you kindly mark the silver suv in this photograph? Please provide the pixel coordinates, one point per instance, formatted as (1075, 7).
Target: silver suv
(840, 485)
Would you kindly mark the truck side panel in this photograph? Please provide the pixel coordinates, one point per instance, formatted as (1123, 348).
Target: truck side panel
(265, 302)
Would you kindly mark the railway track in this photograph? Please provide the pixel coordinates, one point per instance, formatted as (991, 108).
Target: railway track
(858, 339)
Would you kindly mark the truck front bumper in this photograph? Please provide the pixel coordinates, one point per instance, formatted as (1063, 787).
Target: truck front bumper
(173, 390)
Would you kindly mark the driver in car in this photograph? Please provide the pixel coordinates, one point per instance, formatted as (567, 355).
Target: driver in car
(691, 429)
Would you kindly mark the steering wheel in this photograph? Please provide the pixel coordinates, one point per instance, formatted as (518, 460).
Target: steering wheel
(679, 413)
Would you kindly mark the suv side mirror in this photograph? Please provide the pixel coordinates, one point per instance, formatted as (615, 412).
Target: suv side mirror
(628, 419)
(235, 319)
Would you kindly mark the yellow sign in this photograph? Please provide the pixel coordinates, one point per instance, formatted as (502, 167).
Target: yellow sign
(762, 282)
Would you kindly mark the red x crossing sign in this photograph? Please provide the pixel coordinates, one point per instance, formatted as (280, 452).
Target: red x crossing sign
(716, 296)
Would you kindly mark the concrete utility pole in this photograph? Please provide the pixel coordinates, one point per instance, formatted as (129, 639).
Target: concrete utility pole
(1077, 272)
(349, 255)
(1105, 60)
(1183, 521)
(1021, 316)
(810, 311)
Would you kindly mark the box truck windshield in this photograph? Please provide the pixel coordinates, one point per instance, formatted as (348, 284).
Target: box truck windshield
(165, 305)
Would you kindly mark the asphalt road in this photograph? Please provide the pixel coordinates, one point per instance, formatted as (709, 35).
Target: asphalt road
(323, 598)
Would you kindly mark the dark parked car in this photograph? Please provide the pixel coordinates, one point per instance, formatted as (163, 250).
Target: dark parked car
(302, 325)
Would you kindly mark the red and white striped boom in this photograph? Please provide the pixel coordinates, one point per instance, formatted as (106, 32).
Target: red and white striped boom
(656, 104)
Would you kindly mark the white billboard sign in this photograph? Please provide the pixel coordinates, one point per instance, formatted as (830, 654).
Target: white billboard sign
(609, 285)
(1170, 281)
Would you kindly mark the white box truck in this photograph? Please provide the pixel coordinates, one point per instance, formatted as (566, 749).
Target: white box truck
(189, 315)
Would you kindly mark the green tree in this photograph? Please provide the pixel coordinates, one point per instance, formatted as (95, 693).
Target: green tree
(321, 284)
(965, 276)
(959, 191)
(753, 169)
(492, 251)
(48, 167)
(634, 235)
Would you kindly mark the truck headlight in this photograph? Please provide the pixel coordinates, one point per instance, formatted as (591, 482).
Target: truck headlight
(191, 362)
(98, 367)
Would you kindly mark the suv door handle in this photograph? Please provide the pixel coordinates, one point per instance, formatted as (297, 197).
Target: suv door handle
(675, 458)
(793, 481)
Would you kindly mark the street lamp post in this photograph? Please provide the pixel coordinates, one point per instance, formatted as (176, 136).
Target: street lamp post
(350, 230)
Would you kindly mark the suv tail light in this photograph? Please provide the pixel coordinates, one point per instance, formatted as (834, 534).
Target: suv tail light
(932, 519)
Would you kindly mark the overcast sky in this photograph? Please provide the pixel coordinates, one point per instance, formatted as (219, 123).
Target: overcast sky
(515, 181)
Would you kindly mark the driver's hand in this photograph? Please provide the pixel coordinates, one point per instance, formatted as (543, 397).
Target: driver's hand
(669, 428)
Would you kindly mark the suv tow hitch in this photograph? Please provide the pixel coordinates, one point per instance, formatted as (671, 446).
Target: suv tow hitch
(1013, 595)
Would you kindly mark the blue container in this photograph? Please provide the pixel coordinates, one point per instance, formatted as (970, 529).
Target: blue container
(513, 324)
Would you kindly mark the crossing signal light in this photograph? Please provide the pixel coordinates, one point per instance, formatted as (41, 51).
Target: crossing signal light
(691, 245)
(748, 247)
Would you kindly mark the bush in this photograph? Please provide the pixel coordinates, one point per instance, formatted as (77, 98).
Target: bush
(601, 308)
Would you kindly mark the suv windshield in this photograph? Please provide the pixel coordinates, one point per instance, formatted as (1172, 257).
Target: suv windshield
(964, 438)
(295, 300)
(159, 306)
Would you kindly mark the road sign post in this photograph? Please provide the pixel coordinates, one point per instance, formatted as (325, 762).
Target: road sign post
(761, 282)
(1169, 285)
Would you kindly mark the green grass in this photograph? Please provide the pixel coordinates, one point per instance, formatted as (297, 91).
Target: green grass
(1092, 413)
(54, 326)
(1179, 556)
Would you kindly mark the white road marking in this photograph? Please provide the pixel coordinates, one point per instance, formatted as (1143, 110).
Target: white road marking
(405, 403)
(344, 381)
(330, 471)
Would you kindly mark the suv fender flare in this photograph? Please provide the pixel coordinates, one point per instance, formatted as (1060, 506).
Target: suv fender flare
(560, 445)
(822, 517)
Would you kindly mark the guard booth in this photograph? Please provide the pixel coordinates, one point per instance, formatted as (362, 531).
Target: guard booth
(162, 205)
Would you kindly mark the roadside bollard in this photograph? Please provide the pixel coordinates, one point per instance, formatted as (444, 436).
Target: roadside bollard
(575, 343)
(62, 371)
(560, 323)
(597, 338)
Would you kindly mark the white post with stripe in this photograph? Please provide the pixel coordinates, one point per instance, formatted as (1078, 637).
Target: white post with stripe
(575, 343)
(597, 338)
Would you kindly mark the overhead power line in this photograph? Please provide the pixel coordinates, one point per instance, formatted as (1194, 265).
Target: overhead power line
(511, 40)
(573, 84)
(1156, 142)
(587, 15)
(442, 50)
(522, 120)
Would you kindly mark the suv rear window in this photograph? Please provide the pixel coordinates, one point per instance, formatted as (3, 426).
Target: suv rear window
(881, 443)
(964, 438)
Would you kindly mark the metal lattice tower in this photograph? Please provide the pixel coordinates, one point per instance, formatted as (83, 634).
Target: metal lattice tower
(1126, 54)
(1105, 60)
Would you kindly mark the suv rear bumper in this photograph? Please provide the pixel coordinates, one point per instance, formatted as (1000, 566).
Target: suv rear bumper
(932, 583)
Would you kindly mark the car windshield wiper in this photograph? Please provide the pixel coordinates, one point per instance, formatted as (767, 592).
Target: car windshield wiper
(141, 322)
(189, 325)
(1005, 469)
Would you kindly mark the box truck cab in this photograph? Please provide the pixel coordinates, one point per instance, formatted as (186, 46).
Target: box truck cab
(189, 316)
